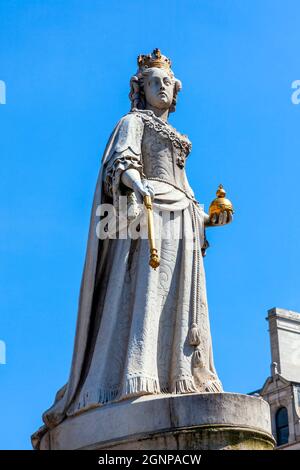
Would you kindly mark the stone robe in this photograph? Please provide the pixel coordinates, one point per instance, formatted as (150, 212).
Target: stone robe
(139, 330)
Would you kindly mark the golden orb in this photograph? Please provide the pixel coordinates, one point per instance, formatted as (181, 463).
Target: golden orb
(220, 204)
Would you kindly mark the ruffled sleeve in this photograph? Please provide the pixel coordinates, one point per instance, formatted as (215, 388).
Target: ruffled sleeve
(126, 154)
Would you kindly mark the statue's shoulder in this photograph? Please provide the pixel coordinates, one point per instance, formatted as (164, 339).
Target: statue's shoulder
(130, 132)
(133, 118)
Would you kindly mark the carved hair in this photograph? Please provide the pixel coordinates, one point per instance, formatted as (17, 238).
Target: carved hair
(137, 94)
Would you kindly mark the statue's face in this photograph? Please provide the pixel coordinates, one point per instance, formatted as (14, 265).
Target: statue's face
(159, 89)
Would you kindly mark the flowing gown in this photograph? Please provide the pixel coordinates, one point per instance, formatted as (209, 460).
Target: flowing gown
(142, 331)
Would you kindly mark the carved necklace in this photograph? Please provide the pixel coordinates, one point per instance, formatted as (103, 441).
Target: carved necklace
(183, 145)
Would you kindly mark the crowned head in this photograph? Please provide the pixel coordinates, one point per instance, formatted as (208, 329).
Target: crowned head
(154, 83)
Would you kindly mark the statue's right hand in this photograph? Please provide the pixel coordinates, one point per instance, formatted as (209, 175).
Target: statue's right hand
(143, 188)
(140, 186)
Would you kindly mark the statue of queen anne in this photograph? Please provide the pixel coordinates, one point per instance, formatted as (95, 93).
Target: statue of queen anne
(142, 330)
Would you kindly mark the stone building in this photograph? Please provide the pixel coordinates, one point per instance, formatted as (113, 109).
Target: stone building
(282, 389)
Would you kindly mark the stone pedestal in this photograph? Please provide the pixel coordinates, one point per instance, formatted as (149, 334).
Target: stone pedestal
(169, 422)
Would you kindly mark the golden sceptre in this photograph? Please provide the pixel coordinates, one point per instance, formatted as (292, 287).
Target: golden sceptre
(154, 258)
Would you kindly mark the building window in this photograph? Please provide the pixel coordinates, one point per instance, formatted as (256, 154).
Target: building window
(282, 426)
(298, 394)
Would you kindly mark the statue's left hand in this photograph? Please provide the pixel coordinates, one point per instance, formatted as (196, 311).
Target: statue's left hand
(223, 218)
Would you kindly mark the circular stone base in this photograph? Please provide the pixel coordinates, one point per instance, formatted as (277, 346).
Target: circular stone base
(203, 421)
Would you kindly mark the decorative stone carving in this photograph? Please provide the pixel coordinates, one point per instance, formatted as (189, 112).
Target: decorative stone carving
(141, 331)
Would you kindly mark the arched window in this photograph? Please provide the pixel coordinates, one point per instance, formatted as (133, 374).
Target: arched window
(282, 426)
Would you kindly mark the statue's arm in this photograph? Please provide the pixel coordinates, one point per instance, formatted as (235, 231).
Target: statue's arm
(124, 168)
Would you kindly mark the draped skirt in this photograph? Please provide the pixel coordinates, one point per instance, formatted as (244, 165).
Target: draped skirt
(140, 341)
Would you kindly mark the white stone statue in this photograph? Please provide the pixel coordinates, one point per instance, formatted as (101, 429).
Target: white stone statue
(142, 330)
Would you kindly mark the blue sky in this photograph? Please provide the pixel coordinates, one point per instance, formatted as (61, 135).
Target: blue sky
(67, 65)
